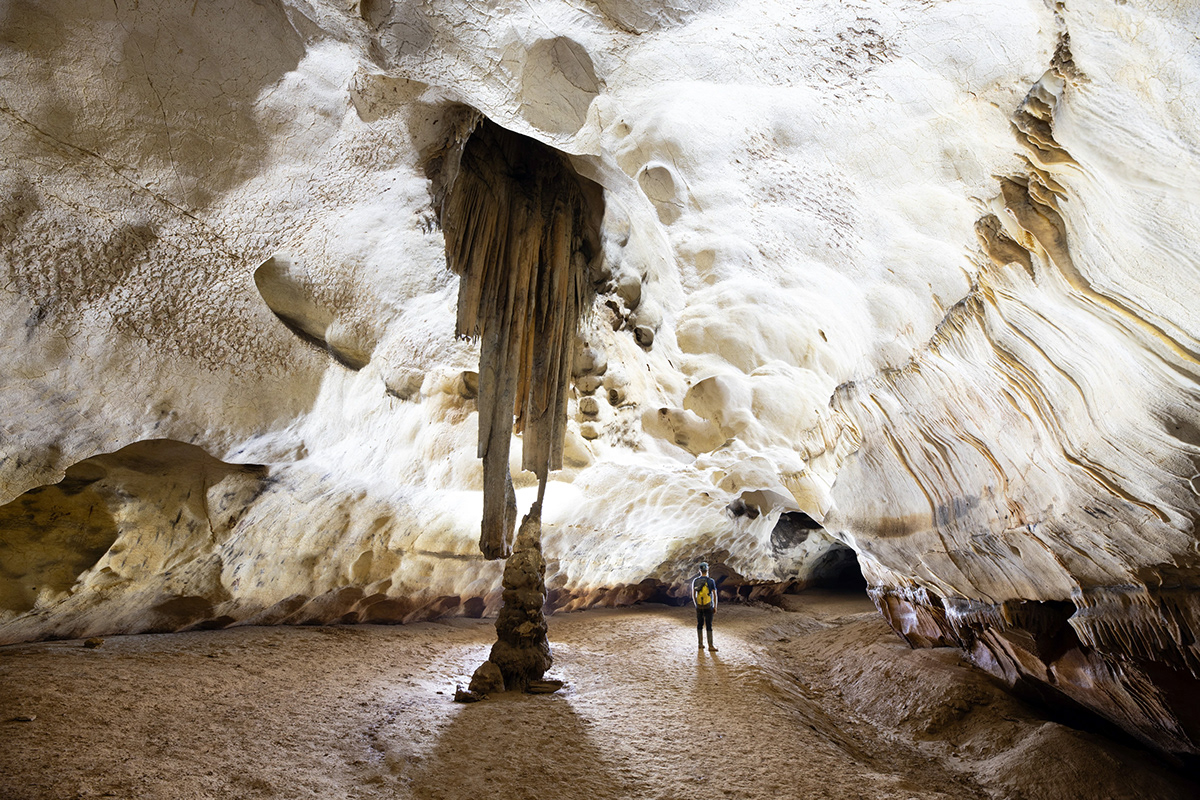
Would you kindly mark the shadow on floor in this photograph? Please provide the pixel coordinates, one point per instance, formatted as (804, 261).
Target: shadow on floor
(521, 746)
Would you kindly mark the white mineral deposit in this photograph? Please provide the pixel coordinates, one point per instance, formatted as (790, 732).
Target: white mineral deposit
(308, 306)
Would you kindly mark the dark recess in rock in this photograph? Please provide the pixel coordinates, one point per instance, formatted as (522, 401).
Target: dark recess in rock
(738, 507)
(838, 569)
(792, 529)
(52, 535)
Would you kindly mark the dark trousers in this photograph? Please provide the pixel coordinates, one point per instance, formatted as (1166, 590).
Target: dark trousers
(704, 617)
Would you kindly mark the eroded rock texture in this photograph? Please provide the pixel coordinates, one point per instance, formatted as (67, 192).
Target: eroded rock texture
(923, 275)
(1070, 561)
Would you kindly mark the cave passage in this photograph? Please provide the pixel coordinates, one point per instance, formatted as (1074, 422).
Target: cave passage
(838, 570)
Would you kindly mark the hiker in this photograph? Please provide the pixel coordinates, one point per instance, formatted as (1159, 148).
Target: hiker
(704, 595)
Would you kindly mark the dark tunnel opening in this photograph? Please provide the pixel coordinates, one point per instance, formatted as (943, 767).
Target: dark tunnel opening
(835, 570)
(838, 570)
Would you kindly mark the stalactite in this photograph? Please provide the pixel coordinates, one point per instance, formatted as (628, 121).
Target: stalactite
(519, 225)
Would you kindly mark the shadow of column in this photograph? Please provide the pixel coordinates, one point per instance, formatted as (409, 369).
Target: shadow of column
(518, 746)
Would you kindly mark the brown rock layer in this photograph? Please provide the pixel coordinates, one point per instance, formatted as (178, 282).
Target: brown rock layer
(1063, 652)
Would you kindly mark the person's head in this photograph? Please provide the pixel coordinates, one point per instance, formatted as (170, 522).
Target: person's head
(703, 567)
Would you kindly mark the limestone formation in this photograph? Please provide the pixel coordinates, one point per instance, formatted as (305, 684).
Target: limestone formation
(522, 650)
(922, 273)
(519, 228)
(487, 679)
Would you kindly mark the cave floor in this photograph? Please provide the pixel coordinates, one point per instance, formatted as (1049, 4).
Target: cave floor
(817, 701)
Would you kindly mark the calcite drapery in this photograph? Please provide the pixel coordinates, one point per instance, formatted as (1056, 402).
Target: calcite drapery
(515, 220)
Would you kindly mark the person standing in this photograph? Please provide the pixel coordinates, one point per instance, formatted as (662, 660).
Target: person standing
(704, 595)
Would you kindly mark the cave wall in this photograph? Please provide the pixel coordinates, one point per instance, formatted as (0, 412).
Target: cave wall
(921, 273)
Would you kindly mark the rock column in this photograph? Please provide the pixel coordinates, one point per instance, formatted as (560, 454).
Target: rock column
(521, 227)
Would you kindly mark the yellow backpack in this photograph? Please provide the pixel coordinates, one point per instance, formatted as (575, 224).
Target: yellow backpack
(704, 596)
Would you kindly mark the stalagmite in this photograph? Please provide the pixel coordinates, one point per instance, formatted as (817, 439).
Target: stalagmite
(522, 650)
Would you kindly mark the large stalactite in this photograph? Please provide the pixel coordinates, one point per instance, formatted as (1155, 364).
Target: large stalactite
(520, 227)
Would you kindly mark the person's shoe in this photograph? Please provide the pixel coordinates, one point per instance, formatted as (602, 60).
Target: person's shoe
(700, 646)
(712, 649)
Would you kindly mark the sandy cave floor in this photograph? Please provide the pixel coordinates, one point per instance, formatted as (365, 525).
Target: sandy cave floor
(818, 701)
